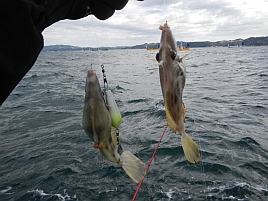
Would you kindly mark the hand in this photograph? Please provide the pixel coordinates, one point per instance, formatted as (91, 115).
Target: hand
(102, 9)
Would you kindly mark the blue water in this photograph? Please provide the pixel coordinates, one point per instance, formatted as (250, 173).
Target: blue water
(46, 155)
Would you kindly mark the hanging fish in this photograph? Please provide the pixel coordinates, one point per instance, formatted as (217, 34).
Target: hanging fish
(172, 79)
(113, 109)
(97, 125)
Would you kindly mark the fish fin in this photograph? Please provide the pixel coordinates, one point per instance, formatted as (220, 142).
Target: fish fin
(133, 166)
(161, 64)
(180, 59)
(183, 112)
(170, 120)
(190, 148)
(108, 155)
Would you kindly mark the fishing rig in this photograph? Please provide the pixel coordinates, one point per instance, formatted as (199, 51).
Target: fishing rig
(115, 114)
(116, 117)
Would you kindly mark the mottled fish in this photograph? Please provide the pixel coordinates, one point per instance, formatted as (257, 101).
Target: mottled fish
(172, 78)
(97, 125)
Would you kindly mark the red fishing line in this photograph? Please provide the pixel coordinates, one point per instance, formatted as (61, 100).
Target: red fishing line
(151, 160)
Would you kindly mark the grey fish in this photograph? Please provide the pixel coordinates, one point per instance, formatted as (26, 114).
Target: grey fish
(97, 125)
(172, 78)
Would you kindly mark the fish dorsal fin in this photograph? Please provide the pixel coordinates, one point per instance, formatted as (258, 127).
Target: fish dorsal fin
(180, 59)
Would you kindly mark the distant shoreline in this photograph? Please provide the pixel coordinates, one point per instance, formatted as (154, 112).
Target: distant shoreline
(252, 41)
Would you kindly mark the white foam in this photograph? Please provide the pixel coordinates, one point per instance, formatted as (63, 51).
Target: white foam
(107, 191)
(5, 190)
(64, 197)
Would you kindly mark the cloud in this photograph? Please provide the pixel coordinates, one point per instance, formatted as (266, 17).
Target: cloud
(138, 23)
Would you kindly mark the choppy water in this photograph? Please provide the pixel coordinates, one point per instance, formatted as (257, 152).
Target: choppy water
(45, 154)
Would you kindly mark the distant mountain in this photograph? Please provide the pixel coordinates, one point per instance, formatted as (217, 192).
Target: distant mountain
(252, 41)
(256, 41)
(61, 48)
(76, 48)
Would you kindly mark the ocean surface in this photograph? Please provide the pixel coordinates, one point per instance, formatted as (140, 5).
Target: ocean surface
(46, 155)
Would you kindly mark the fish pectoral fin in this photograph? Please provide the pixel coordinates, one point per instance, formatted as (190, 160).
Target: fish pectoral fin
(161, 64)
(190, 148)
(170, 120)
(133, 166)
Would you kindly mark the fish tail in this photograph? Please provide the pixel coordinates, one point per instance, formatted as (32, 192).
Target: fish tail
(190, 148)
(133, 166)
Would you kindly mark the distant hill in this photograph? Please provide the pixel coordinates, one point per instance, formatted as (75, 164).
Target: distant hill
(252, 41)
(258, 41)
(62, 48)
(76, 48)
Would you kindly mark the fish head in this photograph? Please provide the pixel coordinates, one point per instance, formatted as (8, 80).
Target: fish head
(168, 45)
(92, 84)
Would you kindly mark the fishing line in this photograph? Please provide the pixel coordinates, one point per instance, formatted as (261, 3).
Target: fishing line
(96, 38)
(150, 162)
(195, 127)
(201, 155)
(176, 18)
(99, 57)
(198, 136)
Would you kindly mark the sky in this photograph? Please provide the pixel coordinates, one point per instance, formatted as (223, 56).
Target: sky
(190, 21)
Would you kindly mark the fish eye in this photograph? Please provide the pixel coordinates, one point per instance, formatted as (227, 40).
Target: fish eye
(157, 57)
(173, 55)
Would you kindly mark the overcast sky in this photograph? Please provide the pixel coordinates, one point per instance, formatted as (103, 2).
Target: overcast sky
(190, 20)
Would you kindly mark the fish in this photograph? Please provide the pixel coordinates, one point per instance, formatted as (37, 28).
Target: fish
(172, 74)
(97, 124)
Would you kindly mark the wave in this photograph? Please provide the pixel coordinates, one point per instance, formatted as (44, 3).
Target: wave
(39, 195)
(234, 190)
(45, 147)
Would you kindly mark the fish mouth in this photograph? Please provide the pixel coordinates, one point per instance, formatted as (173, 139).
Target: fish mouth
(90, 72)
(165, 26)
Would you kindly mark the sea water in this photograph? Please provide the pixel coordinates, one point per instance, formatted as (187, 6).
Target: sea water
(46, 155)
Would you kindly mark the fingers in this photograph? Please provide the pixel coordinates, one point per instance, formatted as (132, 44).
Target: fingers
(105, 8)
(116, 4)
(101, 10)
